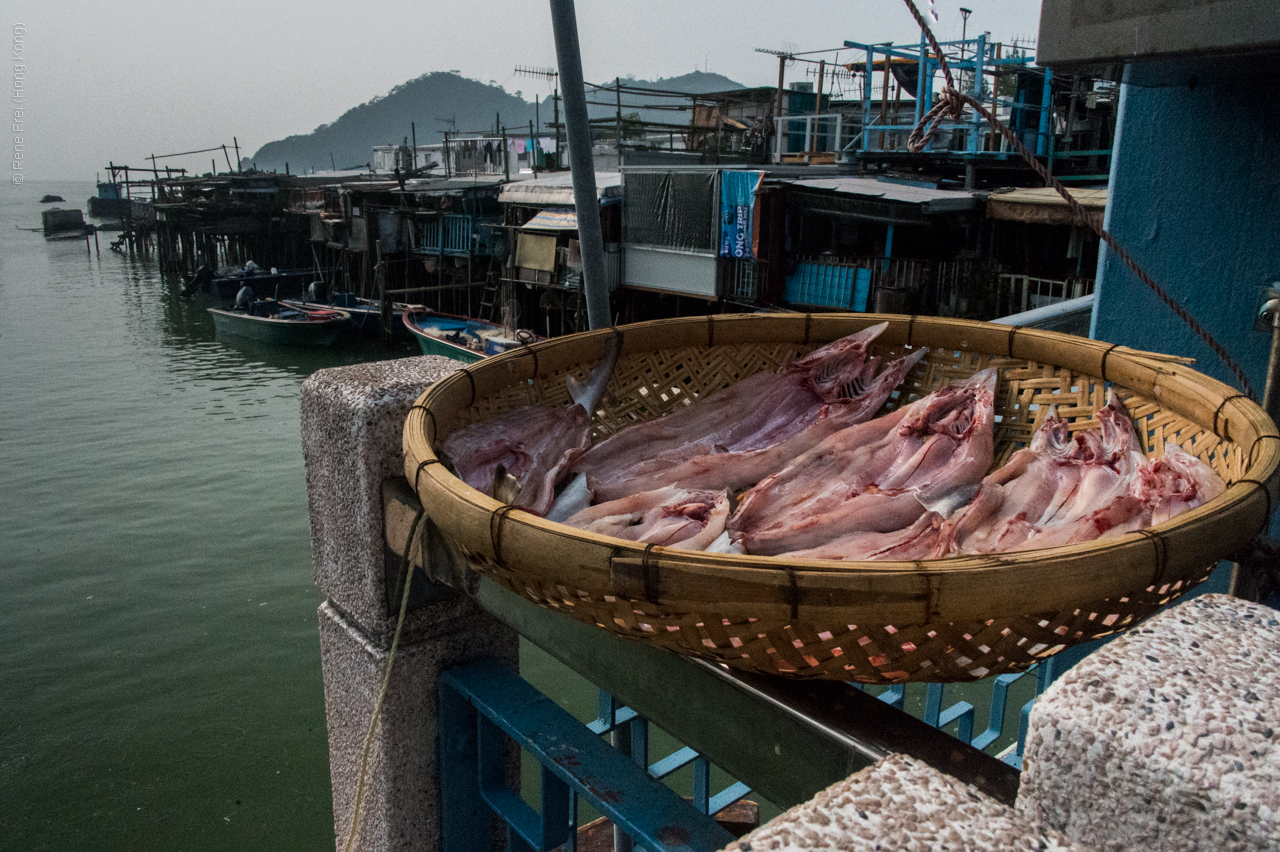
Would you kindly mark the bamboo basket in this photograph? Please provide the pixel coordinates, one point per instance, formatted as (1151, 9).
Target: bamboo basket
(954, 619)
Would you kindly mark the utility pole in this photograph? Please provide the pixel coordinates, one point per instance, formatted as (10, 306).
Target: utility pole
(783, 56)
(578, 129)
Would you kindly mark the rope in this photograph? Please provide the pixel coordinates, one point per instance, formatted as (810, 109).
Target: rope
(407, 569)
(951, 105)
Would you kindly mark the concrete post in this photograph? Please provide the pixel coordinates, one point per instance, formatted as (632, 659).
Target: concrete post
(1166, 738)
(352, 418)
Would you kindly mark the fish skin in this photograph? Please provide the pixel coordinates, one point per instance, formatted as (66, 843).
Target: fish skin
(681, 518)
(536, 444)
(745, 463)
(918, 541)
(871, 477)
(758, 410)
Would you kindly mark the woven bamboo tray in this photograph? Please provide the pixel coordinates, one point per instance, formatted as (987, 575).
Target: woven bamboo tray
(952, 619)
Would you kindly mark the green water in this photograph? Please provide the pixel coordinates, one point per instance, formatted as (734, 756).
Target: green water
(160, 682)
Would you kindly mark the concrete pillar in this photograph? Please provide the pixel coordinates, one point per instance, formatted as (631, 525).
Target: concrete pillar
(1166, 738)
(352, 419)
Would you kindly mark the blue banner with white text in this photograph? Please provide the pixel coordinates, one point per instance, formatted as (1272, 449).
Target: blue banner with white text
(737, 212)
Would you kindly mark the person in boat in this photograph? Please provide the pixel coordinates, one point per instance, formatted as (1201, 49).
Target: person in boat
(244, 299)
(201, 279)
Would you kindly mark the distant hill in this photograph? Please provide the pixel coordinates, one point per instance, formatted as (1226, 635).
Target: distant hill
(433, 102)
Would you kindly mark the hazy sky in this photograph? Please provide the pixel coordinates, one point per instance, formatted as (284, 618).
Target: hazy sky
(119, 81)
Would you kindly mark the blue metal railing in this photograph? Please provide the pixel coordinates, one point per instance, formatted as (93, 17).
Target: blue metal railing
(963, 713)
(457, 234)
(484, 703)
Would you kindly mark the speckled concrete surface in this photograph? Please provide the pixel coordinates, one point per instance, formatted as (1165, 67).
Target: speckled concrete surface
(400, 810)
(901, 804)
(352, 420)
(1166, 738)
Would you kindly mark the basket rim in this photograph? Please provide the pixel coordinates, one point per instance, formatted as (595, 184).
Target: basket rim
(921, 590)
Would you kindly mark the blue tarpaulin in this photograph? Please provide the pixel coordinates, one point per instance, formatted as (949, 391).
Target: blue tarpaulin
(737, 212)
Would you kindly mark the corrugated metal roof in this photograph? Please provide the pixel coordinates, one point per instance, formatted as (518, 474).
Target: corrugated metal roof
(556, 189)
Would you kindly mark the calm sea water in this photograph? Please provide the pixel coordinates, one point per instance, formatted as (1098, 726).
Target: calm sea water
(160, 682)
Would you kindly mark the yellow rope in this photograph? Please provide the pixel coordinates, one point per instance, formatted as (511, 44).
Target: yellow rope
(386, 681)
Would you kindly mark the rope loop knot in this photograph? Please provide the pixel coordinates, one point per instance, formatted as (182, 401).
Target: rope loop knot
(950, 105)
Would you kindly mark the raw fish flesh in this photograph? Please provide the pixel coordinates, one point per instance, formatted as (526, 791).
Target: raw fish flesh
(735, 437)
(750, 413)
(673, 517)
(1062, 489)
(534, 444)
(1176, 482)
(1067, 490)
(918, 541)
(877, 477)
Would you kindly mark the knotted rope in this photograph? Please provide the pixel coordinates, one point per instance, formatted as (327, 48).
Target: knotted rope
(951, 103)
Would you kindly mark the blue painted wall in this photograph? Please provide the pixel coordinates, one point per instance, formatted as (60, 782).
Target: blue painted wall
(1195, 199)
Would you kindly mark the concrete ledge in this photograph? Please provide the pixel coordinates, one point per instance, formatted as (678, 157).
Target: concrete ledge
(352, 421)
(400, 812)
(901, 803)
(1166, 738)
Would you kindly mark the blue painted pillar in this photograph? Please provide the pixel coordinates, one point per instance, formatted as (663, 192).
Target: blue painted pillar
(1195, 191)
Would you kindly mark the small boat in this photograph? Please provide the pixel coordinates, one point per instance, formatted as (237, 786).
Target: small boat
(276, 283)
(275, 322)
(366, 314)
(461, 338)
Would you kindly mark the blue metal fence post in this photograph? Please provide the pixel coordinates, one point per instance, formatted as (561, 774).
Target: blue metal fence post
(466, 824)
(1046, 107)
(979, 57)
(921, 69)
(869, 76)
